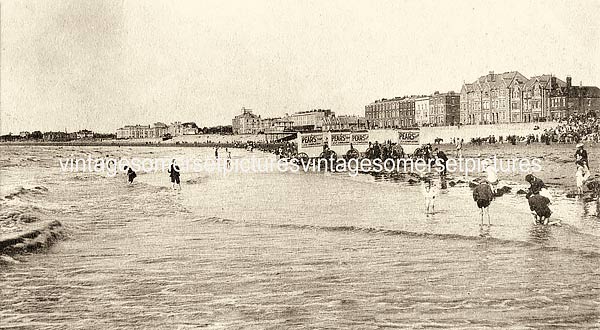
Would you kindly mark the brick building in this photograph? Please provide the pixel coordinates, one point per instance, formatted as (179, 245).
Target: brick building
(394, 113)
(444, 108)
(566, 100)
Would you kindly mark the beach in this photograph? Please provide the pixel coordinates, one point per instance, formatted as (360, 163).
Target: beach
(292, 250)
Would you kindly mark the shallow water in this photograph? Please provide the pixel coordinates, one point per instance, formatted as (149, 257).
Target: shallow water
(283, 250)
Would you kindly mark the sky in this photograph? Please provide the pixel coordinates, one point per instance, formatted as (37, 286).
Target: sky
(103, 64)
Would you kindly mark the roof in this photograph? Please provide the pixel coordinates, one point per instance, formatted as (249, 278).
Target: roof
(584, 91)
(545, 81)
(496, 81)
(246, 114)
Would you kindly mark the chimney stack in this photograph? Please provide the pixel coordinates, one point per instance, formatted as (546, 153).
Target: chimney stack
(568, 82)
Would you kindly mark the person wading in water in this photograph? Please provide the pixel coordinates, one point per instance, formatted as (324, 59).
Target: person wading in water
(581, 155)
(483, 196)
(174, 175)
(130, 175)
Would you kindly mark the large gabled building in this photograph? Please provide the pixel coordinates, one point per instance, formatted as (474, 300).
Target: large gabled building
(537, 93)
(510, 97)
(493, 98)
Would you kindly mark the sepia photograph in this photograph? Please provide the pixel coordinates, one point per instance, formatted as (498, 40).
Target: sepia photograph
(264, 164)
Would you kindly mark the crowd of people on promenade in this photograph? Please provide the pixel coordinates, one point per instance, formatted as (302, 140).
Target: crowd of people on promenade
(574, 129)
(577, 129)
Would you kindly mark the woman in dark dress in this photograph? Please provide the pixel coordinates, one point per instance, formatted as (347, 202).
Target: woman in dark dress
(174, 175)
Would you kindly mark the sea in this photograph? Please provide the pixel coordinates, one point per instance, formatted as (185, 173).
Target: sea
(284, 250)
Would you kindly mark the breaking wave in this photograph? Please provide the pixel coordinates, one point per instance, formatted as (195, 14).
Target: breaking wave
(22, 191)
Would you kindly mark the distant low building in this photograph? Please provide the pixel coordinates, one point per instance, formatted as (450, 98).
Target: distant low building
(157, 130)
(9, 137)
(56, 136)
(189, 128)
(160, 129)
(178, 128)
(134, 132)
(276, 125)
(24, 134)
(84, 134)
(343, 122)
(310, 120)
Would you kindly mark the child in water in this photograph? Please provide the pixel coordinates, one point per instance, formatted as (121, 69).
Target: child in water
(430, 192)
(581, 176)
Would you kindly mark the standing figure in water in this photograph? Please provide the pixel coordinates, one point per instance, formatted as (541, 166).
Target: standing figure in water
(483, 196)
(581, 176)
(429, 192)
(174, 175)
(491, 175)
(130, 175)
(459, 145)
(538, 205)
(581, 154)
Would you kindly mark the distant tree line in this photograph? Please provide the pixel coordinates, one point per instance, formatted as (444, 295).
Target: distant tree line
(54, 136)
(227, 129)
(85, 134)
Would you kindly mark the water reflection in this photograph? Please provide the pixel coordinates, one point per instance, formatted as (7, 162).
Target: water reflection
(540, 233)
(484, 230)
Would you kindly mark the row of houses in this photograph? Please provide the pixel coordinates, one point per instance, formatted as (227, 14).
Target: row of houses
(318, 119)
(509, 97)
(157, 130)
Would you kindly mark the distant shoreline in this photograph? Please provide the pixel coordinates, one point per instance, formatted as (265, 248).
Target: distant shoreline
(112, 143)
